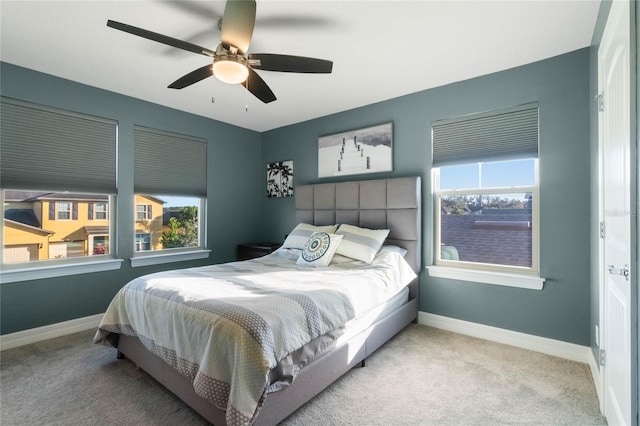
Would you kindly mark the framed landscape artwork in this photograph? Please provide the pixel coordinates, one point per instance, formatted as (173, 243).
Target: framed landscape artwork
(280, 179)
(367, 150)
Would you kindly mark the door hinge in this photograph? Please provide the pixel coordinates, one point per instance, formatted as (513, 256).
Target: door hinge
(603, 357)
(599, 98)
(602, 229)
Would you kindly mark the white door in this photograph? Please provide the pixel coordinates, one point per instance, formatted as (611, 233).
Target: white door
(615, 137)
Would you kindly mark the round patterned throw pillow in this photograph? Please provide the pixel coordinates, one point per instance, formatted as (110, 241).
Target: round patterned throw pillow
(319, 249)
(316, 247)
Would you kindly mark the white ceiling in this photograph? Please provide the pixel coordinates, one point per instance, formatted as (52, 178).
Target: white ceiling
(380, 49)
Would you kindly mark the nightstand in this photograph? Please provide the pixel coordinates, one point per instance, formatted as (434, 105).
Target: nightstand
(253, 250)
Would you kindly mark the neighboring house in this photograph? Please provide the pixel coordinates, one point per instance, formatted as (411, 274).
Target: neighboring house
(149, 218)
(494, 236)
(52, 225)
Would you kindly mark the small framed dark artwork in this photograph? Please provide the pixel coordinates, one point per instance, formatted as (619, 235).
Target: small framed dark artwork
(280, 179)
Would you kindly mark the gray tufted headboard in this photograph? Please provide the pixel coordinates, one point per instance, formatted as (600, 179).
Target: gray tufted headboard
(376, 204)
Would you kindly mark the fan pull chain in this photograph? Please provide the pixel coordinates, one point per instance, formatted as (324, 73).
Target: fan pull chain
(246, 97)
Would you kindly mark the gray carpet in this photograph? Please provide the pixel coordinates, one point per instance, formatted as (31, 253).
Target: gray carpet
(423, 376)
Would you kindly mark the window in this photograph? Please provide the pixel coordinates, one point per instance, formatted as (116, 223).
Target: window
(51, 193)
(485, 215)
(144, 211)
(485, 186)
(170, 204)
(169, 222)
(143, 242)
(64, 210)
(29, 235)
(99, 211)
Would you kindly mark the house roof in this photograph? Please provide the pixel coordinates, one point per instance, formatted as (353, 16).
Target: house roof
(28, 227)
(24, 216)
(96, 230)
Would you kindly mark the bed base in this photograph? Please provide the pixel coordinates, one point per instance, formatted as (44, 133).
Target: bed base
(311, 380)
(393, 204)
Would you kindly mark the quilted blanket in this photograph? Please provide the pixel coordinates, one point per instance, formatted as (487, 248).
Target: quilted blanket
(226, 326)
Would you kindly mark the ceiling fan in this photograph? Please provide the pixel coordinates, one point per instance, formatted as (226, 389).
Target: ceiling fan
(231, 62)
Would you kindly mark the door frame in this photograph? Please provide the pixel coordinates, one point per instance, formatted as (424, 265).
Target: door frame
(634, 112)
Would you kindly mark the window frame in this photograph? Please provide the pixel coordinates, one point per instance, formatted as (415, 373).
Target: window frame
(508, 275)
(97, 212)
(59, 211)
(177, 254)
(51, 268)
(146, 214)
(138, 242)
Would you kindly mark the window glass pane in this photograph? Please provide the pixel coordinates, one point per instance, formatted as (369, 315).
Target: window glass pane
(508, 173)
(492, 229)
(165, 222)
(463, 176)
(64, 210)
(143, 242)
(100, 211)
(46, 225)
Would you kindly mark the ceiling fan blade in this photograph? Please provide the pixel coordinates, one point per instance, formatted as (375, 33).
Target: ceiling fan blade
(192, 77)
(256, 85)
(288, 63)
(237, 24)
(170, 41)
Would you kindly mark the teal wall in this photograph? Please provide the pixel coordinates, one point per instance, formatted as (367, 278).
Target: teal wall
(239, 210)
(235, 179)
(561, 87)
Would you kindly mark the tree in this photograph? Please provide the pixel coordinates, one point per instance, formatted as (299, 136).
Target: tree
(188, 217)
(183, 228)
(171, 238)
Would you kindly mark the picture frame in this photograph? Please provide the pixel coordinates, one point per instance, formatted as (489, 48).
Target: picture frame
(366, 150)
(280, 179)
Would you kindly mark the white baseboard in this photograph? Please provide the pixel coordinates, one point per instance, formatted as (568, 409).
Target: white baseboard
(598, 380)
(544, 345)
(20, 338)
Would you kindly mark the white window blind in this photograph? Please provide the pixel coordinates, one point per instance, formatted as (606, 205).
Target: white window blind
(491, 136)
(169, 163)
(46, 148)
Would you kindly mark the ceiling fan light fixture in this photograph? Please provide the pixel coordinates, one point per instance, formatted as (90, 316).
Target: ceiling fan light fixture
(230, 69)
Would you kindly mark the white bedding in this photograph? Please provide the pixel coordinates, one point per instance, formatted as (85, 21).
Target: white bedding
(226, 326)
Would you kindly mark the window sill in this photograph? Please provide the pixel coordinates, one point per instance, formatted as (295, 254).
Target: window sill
(51, 271)
(156, 259)
(531, 282)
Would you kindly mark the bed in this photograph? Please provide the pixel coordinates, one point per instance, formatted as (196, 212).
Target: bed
(339, 329)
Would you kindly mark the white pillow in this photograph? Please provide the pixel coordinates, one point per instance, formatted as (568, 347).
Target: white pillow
(360, 243)
(400, 250)
(302, 232)
(319, 250)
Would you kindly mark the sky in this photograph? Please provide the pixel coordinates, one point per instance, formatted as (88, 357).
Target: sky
(171, 201)
(488, 175)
